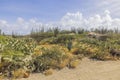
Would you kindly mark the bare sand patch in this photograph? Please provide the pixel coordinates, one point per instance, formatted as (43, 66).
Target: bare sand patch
(87, 70)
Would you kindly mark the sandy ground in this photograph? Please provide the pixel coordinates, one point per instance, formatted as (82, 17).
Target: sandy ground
(87, 70)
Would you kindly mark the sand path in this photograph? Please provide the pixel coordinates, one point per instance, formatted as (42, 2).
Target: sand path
(87, 70)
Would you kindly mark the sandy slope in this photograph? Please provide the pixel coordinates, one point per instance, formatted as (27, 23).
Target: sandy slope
(87, 70)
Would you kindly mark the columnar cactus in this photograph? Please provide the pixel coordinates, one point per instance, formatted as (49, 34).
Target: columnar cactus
(69, 45)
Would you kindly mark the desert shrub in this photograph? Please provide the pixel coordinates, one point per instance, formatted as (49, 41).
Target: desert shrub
(92, 47)
(76, 51)
(74, 63)
(73, 30)
(95, 49)
(56, 31)
(13, 61)
(40, 36)
(8, 65)
(47, 41)
(50, 58)
(63, 39)
(20, 73)
(82, 49)
(90, 41)
(60, 39)
(80, 31)
(101, 55)
(65, 32)
(48, 72)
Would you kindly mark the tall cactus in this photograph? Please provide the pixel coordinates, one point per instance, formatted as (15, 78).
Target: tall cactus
(56, 31)
(69, 45)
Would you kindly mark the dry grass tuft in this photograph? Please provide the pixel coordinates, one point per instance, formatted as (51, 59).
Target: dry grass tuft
(63, 64)
(75, 51)
(1, 77)
(21, 73)
(74, 63)
(48, 72)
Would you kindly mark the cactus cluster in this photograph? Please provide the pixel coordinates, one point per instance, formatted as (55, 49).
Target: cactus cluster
(13, 54)
(1, 47)
(25, 46)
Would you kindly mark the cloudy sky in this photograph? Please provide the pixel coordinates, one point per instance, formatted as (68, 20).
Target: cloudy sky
(22, 15)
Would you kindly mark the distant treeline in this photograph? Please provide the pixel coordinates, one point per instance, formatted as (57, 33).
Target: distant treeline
(53, 32)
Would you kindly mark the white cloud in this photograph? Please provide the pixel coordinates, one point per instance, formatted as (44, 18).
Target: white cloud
(20, 26)
(72, 20)
(3, 23)
(96, 21)
(67, 21)
(112, 5)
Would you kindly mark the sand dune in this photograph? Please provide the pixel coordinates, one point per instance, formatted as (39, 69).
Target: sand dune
(87, 70)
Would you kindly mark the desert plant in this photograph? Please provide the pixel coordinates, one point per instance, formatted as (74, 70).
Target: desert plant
(40, 36)
(80, 31)
(20, 73)
(69, 45)
(75, 51)
(56, 31)
(73, 30)
(1, 47)
(25, 46)
(48, 72)
(65, 32)
(50, 58)
(62, 39)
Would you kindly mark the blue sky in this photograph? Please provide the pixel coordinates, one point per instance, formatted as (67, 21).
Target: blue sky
(22, 15)
(45, 10)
